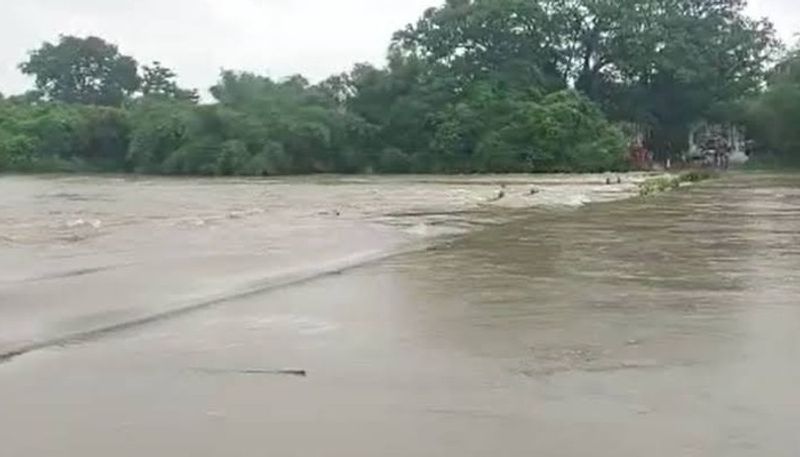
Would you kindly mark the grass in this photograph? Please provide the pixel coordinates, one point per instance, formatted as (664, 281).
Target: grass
(661, 184)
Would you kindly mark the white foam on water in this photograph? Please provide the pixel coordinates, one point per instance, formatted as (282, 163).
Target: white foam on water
(78, 223)
(301, 324)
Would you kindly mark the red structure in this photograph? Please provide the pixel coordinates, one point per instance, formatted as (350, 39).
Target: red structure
(641, 158)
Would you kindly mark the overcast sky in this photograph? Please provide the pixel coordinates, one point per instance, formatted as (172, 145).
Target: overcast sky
(274, 37)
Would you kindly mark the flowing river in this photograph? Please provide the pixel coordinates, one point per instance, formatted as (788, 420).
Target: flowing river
(422, 316)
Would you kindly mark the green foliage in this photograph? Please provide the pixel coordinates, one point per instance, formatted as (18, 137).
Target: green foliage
(62, 137)
(773, 116)
(472, 86)
(159, 81)
(83, 70)
(104, 137)
(233, 158)
(562, 132)
(159, 127)
(500, 41)
(487, 131)
(663, 64)
(393, 160)
(661, 184)
(658, 185)
(272, 160)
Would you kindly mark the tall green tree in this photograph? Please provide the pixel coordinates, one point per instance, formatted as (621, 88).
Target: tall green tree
(157, 80)
(507, 42)
(303, 119)
(472, 86)
(83, 70)
(666, 64)
(773, 116)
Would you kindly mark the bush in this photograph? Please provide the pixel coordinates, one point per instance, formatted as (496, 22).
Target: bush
(16, 151)
(664, 183)
(393, 160)
(233, 158)
(262, 127)
(159, 129)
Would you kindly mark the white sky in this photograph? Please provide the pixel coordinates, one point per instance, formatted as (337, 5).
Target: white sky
(197, 38)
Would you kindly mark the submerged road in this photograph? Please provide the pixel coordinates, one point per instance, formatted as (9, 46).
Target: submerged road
(660, 327)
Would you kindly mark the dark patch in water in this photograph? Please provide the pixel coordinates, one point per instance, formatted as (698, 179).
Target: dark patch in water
(259, 371)
(74, 273)
(74, 197)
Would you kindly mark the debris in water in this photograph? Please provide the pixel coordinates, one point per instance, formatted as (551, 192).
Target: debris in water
(500, 195)
(287, 372)
(95, 223)
(301, 373)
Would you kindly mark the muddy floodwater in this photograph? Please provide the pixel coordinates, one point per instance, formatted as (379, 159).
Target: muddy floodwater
(413, 316)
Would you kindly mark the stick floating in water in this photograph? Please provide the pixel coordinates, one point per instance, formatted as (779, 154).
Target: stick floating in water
(255, 371)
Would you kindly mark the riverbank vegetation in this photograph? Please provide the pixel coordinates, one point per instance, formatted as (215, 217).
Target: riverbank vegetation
(661, 184)
(472, 86)
(773, 116)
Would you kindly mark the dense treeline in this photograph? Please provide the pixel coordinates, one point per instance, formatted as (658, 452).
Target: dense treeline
(773, 117)
(473, 86)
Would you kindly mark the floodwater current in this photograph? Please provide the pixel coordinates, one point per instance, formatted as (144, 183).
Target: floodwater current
(340, 316)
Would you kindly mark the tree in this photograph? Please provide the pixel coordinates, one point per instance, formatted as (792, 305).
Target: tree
(159, 127)
(666, 64)
(28, 98)
(472, 86)
(563, 131)
(83, 70)
(773, 116)
(157, 80)
(303, 119)
(507, 42)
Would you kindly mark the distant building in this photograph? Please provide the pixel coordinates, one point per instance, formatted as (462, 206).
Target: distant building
(717, 145)
(709, 145)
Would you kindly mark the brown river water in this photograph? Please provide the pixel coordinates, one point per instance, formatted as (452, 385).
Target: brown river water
(177, 317)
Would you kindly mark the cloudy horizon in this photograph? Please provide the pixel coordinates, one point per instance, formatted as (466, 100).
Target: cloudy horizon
(198, 38)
